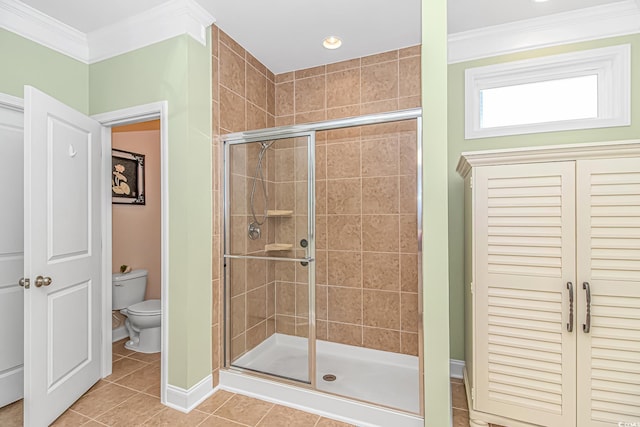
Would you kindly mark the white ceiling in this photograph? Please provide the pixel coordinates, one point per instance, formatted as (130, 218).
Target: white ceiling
(287, 34)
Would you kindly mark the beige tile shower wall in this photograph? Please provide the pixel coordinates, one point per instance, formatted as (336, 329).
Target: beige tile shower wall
(243, 99)
(385, 82)
(366, 271)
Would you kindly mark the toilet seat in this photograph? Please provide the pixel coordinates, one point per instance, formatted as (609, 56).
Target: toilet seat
(149, 307)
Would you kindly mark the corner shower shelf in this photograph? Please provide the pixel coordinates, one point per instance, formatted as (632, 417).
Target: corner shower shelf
(278, 213)
(278, 247)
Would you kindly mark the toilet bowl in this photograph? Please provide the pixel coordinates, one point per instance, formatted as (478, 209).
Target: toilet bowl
(143, 317)
(143, 324)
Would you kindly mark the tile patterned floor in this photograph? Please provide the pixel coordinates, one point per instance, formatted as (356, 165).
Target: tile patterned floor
(130, 397)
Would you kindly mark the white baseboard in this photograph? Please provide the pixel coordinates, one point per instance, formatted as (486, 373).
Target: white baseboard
(119, 333)
(456, 368)
(11, 385)
(185, 400)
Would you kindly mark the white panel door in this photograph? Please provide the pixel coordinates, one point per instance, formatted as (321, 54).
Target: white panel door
(525, 256)
(608, 227)
(62, 236)
(11, 255)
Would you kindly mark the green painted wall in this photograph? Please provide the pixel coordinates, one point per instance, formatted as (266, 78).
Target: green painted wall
(457, 144)
(177, 70)
(435, 270)
(27, 63)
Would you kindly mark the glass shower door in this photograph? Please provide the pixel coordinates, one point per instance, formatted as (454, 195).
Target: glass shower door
(269, 255)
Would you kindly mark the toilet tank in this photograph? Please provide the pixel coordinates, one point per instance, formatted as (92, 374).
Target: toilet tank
(128, 288)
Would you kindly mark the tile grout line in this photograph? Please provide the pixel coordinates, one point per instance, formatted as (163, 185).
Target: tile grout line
(266, 413)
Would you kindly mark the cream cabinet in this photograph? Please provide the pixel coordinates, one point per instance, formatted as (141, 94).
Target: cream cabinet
(553, 285)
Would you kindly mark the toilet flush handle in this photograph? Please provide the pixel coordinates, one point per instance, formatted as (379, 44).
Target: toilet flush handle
(46, 281)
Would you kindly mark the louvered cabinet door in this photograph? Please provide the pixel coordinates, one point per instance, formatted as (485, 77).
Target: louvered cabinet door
(608, 254)
(524, 229)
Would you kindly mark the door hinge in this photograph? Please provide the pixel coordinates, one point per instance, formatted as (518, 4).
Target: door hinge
(473, 395)
(471, 287)
(470, 181)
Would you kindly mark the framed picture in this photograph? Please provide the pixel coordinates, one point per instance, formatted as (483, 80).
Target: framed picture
(127, 177)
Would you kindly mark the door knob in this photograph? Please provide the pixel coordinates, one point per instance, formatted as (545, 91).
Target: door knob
(46, 281)
(24, 282)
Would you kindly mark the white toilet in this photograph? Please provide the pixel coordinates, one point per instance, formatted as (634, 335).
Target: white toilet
(143, 317)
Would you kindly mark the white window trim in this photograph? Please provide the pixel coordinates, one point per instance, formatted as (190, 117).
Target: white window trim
(612, 64)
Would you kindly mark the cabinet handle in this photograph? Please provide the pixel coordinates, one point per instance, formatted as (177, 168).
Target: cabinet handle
(570, 324)
(586, 327)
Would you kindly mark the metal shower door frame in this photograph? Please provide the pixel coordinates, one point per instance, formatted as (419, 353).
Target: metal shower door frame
(311, 129)
(310, 258)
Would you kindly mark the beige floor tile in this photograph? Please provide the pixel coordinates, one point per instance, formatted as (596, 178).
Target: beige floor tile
(458, 396)
(93, 423)
(145, 357)
(243, 409)
(124, 367)
(132, 412)
(142, 379)
(280, 416)
(70, 419)
(213, 403)
(98, 386)
(11, 415)
(102, 400)
(118, 348)
(460, 418)
(153, 390)
(327, 422)
(214, 421)
(170, 417)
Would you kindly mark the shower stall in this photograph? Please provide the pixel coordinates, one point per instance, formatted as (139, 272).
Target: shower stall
(322, 238)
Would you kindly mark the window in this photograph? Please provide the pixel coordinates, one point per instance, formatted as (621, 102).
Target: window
(581, 90)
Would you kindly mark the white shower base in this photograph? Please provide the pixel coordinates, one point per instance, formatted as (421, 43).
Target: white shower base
(374, 376)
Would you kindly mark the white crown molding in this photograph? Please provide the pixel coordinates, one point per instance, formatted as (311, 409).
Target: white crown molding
(167, 20)
(34, 25)
(163, 22)
(610, 20)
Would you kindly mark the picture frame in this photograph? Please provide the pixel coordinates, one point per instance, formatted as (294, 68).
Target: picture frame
(127, 178)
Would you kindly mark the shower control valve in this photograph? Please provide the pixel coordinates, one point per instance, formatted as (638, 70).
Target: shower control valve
(254, 231)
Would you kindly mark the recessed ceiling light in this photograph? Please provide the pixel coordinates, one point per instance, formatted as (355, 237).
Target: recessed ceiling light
(332, 42)
(540, 1)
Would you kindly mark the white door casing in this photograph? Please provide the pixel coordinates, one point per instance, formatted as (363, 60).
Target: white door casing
(62, 238)
(11, 255)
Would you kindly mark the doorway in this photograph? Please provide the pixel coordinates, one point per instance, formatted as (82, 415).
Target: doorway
(136, 248)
